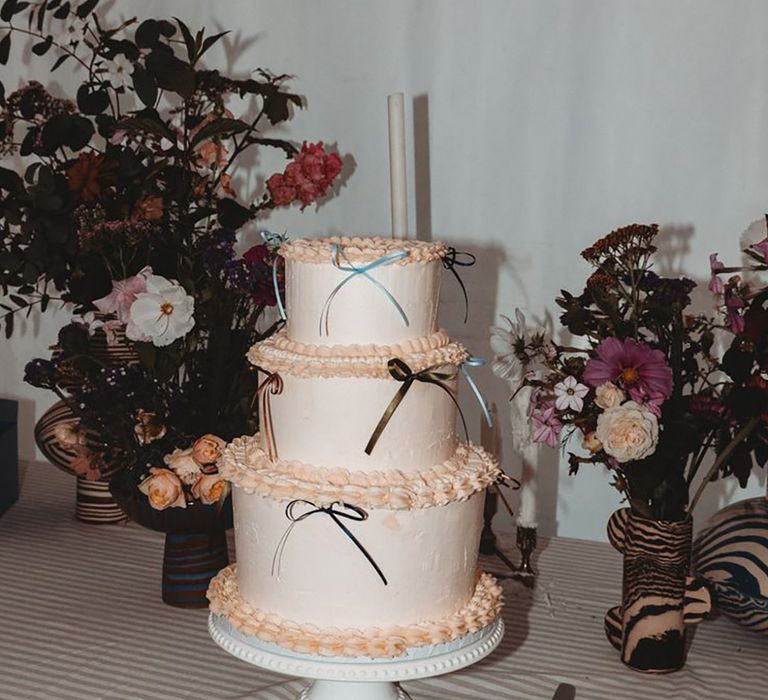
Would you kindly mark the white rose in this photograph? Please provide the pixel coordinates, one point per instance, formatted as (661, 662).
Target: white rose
(608, 395)
(183, 463)
(163, 489)
(210, 488)
(628, 432)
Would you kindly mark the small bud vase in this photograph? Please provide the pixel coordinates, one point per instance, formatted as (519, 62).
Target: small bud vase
(659, 598)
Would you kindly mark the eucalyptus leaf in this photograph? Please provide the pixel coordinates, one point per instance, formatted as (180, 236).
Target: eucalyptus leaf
(86, 8)
(5, 49)
(42, 47)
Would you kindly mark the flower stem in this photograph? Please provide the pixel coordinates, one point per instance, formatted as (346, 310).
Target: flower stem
(721, 459)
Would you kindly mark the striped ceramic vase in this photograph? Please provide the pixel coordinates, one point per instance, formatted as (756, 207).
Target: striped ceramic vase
(731, 553)
(659, 598)
(93, 501)
(190, 562)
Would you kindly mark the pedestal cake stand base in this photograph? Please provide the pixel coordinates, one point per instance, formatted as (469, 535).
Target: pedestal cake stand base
(360, 678)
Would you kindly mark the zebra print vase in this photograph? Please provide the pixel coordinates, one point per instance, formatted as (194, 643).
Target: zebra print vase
(659, 598)
(93, 500)
(731, 553)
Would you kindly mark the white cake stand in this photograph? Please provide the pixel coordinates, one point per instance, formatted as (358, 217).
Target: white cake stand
(356, 679)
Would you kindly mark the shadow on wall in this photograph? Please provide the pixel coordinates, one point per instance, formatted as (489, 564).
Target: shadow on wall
(674, 245)
(481, 282)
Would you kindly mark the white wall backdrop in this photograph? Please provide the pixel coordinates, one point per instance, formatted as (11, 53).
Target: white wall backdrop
(534, 128)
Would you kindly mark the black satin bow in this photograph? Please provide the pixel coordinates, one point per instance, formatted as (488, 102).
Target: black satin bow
(400, 371)
(335, 511)
(450, 261)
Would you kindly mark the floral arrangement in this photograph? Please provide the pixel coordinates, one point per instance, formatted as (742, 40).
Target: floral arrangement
(643, 386)
(128, 209)
(192, 472)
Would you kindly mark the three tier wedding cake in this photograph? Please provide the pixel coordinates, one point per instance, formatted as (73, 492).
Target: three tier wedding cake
(358, 510)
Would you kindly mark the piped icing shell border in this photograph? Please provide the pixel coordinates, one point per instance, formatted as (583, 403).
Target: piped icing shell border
(482, 609)
(361, 249)
(279, 353)
(469, 470)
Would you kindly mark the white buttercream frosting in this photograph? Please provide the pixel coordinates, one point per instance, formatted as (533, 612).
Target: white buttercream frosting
(319, 576)
(328, 421)
(334, 641)
(468, 470)
(361, 312)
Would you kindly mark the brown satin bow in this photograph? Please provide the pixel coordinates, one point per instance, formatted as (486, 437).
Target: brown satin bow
(401, 372)
(272, 385)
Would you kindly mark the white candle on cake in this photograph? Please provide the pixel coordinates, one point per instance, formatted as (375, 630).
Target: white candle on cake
(397, 184)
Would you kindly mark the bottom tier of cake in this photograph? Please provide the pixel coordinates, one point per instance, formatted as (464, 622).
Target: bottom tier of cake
(376, 642)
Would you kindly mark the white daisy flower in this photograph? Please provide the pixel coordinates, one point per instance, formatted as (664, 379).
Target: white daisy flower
(74, 30)
(119, 71)
(161, 314)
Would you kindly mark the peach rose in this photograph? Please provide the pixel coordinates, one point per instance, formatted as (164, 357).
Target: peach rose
(207, 449)
(608, 395)
(164, 489)
(210, 488)
(184, 465)
(628, 432)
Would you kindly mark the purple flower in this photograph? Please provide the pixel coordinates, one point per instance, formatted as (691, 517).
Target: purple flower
(733, 305)
(546, 426)
(716, 285)
(762, 248)
(638, 368)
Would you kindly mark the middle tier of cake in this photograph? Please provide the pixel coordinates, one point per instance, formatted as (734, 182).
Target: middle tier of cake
(322, 405)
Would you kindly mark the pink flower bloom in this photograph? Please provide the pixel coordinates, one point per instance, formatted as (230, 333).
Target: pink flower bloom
(716, 285)
(546, 426)
(570, 395)
(123, 294)
(762, 248)
(307, 178)
(640, 369)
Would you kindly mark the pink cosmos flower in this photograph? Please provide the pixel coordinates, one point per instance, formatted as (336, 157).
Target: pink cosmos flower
(546, 426)
(640, 369)
(123, 294)
(762, 248)
(716, 285)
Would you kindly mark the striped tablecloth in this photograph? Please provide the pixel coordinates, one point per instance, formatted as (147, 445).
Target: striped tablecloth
(81, 617)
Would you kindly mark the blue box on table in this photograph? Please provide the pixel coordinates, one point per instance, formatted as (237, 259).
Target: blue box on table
(9, 454)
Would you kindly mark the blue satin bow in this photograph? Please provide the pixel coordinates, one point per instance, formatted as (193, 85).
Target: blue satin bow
(472, 361)
(275, 240)
(336, 253)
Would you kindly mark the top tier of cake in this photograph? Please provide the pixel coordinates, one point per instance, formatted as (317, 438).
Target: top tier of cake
(361, 311)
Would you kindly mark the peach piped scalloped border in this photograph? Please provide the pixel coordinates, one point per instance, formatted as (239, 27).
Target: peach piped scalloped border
(361, 249)
(279, 353)
(469, 470)
(375, 642)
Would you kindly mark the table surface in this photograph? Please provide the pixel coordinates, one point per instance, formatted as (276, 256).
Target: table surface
(81, 617)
